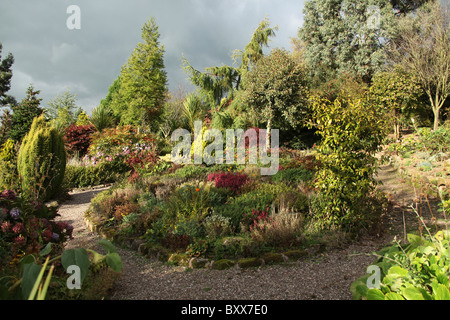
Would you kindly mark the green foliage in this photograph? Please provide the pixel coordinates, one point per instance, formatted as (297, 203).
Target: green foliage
(415, 271)
(41, 161)
(29, 284)
(88, 176)
(24, 113)
(189, 203)
(220, 82)
(102, 117)
(340, 38)
(396, 91)
(5, 77)
(143, 81)
(63, 110)
(295, 175)
(276, 90)
(264, 196)
(352, 133)
(8, 151)
(434, 141)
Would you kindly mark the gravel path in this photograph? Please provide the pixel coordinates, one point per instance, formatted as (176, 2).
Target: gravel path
(325, 276)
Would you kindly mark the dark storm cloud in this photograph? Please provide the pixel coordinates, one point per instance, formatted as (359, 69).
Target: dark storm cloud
(87, 61)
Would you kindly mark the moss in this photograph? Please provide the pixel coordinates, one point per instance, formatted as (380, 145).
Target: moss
(249, 262)
(223, 264)
(271, 257)
(295, 254)
(196, 263)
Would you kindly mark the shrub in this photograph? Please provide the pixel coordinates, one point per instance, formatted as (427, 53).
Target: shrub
(189, 203)
(8, 152)
(27, 226)
(88, 176)
(217, 226)
(232, 181)
(264, 196)
(41, 161)
(352, 133)
(78, 139)
(296, 176)
(8, 166)
(113, 205)
(280, 229)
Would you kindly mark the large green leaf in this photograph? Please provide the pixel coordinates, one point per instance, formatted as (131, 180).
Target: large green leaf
(441, 292)
(46, 250)
(114, 261)
(375, 294)
(77, 257)
(30, 275)
(412, 294)
(394, 296)
(107, 245)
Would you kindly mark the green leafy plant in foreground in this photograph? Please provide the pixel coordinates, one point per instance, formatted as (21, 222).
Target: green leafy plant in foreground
(32, 284)
(416, 271)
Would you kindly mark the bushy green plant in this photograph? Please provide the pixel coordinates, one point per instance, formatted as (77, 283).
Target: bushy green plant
(434, 140)
(217, 226)
(8, 166)
(88, 176)
(352, 133)
(28, 282)
(415, 271)
(41, 161)
(296, 176)
(189, 203)
(265, 195)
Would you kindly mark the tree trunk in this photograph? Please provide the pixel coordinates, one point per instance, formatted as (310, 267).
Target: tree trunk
(269, 129)
(436, 119)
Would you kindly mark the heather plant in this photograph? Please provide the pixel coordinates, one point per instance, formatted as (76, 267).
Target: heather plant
(229, 180)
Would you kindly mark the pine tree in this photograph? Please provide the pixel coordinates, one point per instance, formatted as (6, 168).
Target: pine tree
(143, 81)
(5, 78)
(24, 113)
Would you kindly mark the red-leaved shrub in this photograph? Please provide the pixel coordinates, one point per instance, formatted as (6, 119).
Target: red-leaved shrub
(78, 139)
(229, 180)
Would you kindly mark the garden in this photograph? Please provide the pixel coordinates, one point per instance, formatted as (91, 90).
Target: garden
(334, 132)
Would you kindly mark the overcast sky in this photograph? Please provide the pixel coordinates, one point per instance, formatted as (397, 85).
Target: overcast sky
(86, 61)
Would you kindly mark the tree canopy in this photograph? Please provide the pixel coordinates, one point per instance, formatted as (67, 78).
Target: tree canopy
(346, 36)
(142, 84)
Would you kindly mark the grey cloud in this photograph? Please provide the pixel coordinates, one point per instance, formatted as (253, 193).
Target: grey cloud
(87, 61)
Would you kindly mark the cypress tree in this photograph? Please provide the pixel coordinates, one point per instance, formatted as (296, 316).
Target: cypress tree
(41, 161)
